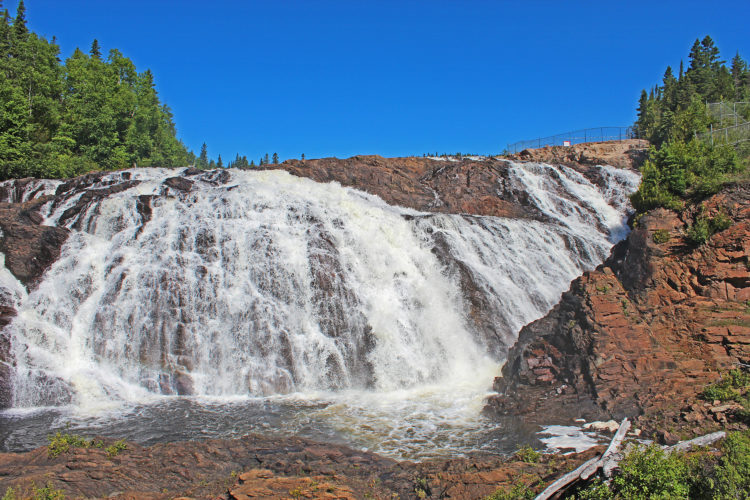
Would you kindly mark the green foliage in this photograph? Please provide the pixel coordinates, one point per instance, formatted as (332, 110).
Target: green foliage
(114, 449)
(674, 110)
(679, 170)
(732, 474)
(48, 492)
(661, 236)
(649, 473)
(669, 116)
(10, 494)
(528, 454)
(62, 443)
(704, 227)
(597, 490)
(62, 119)
(517, 492)
(727, 388)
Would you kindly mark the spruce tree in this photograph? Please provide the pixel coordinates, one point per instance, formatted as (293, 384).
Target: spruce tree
(95, 51)
(19, 23)
(203, 157)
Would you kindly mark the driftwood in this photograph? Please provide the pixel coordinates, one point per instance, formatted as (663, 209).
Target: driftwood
(565, 480)
(699, 441)
(610, 459)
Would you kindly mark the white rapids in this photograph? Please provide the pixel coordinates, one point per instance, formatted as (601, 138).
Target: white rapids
(273, 286)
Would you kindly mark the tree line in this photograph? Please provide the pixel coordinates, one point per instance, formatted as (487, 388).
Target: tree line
(60, 119)
(681, 167)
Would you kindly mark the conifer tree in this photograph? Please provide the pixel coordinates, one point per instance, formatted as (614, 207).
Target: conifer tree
(265, 159)
(203, 157)
(275, 159)
(95, 51)
(219, 163)
(19, 23)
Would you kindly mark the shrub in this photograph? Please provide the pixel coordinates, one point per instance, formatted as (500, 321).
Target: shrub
(48, 492)
(650, 473)
(528, 454)
(704, 227)
(726, 388)
(114, 449)
(679, 170)
(61, 443)
(732, 475)
(517, 492)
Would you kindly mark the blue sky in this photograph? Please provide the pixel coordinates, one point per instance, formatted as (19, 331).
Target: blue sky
(340, 78)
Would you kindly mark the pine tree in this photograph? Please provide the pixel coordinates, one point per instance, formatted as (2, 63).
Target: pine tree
(303, 156)
(19, 23)
(203, 157)
(95, 51)
(275, 159)
(219, 163)
(265, 159)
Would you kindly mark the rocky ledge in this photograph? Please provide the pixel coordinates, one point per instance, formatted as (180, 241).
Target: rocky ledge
(462, 185)
(257, 467)
(644, 332)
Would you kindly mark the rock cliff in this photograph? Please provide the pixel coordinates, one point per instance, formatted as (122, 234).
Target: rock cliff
(645, 331)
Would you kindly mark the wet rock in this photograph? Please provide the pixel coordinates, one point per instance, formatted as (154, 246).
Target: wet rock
(179, 183)
(643, 333)
(29, 247)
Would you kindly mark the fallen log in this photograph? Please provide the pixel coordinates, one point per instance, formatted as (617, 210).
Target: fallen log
(611, 458)
(608, 461)
(699, 441)
(565, 480)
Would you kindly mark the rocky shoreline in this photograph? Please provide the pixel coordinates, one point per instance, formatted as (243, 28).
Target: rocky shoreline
(256, 467)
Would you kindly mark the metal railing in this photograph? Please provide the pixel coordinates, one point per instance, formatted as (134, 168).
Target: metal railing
(727, 135)
(596, 134)
(728, 113)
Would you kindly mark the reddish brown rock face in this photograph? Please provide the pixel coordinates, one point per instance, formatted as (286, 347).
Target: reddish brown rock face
(645, 331)
(464, 186)
(623, 154)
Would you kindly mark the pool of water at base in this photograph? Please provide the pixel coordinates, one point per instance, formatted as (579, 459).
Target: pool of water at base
(397, 428)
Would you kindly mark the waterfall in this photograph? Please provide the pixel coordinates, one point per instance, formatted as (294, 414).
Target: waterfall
(254, 283)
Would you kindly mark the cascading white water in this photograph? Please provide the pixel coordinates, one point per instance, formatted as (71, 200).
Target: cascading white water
(270, 284)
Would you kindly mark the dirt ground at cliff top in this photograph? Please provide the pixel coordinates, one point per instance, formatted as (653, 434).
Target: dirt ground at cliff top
(257, 467)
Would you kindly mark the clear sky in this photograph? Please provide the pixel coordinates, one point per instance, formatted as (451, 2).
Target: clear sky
(340, 78)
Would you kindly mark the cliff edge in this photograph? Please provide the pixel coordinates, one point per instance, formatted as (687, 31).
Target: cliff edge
(644, 332)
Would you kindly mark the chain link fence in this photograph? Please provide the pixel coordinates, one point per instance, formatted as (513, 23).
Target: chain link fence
(596, 134)
(731, 123)
(727, 114)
